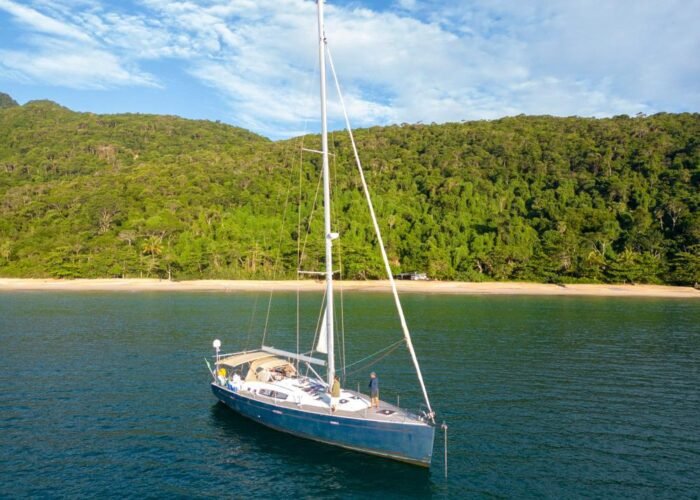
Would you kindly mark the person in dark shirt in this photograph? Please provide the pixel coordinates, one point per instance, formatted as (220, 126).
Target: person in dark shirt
(374, 389)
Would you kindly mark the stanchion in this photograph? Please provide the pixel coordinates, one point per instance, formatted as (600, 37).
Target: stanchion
(444, 430)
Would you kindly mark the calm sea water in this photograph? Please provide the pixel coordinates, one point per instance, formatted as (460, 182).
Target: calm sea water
(106, 394)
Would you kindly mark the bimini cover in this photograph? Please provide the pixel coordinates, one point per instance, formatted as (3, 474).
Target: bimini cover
(246, 357)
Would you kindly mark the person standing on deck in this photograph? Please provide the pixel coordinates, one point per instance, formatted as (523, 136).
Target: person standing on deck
(335, 393)
(222, 376)
(374, 389)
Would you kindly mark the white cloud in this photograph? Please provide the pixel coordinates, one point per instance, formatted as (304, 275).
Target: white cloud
(409, 5)
(67, 64)
(41, 23)
(611, 57)
(643, 52)
(63, 53)
(419, 61)
(460, 61)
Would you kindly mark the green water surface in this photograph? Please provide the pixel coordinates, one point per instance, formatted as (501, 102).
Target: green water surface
(106, 394)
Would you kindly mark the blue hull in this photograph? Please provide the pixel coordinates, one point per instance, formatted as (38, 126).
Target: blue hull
(395, 440)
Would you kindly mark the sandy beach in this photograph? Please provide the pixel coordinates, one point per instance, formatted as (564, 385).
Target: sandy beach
(439, 287)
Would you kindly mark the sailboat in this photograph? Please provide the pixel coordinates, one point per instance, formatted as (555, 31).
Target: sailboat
(267, 384)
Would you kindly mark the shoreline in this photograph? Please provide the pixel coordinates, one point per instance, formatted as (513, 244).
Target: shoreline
(432, 287)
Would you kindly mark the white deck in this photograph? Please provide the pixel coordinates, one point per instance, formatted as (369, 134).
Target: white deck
(309, 395)
(275, 380)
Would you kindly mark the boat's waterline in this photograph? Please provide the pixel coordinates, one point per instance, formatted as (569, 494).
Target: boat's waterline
(409, 441)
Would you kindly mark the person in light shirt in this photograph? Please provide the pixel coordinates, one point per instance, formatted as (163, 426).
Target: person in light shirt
(335, 393)
(374, 389)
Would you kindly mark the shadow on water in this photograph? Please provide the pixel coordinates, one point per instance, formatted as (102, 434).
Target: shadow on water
(339, 470)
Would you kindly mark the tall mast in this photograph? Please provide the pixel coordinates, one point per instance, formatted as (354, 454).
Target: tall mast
(329, 236)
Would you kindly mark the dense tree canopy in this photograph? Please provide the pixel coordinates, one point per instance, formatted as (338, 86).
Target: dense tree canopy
(524, 198)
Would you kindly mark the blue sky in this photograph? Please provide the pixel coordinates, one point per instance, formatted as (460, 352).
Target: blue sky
(252, 63)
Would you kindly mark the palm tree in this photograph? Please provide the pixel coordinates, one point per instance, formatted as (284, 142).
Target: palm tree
(153, 247)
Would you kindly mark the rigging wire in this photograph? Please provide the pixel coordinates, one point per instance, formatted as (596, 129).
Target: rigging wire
(301, 253)
(302, 244)
(301, 170)
(279, 252)
(318, 321)
(385, 258)
(311, 217)
(252, 320)
(339, 252)
(289, 152)
(389, 349)
(297, 329)
(299, 205)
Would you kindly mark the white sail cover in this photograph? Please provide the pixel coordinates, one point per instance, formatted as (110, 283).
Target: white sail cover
(322, 344)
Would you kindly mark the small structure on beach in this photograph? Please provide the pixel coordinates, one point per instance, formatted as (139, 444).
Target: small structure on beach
(413, 276)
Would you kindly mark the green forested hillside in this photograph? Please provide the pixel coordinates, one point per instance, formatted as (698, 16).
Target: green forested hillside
(525, 198)
(6, 101)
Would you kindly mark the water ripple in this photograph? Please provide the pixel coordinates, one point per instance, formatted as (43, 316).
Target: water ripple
(107, 395)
